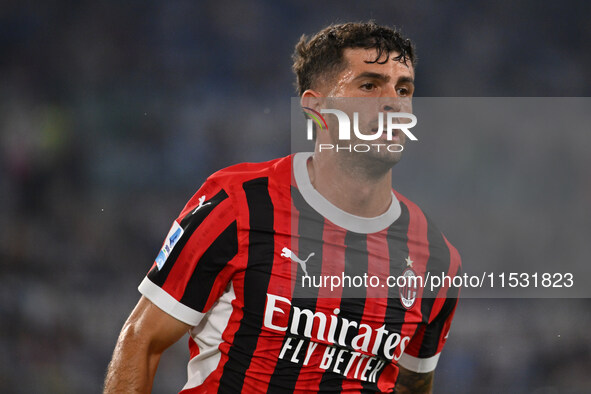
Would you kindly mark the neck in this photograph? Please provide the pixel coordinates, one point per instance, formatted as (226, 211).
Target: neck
(352, 188)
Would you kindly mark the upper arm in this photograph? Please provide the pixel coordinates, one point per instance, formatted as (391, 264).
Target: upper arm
(414, 382)
(145, 335)
(151, 328)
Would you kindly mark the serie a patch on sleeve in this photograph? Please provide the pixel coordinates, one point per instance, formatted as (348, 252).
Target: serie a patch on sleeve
(171, 239)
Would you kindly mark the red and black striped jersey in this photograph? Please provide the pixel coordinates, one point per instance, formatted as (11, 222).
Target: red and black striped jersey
(252, 262)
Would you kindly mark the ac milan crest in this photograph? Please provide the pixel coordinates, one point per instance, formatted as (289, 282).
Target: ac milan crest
(408, 292)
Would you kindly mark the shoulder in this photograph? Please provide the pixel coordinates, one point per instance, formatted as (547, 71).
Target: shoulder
(244, 172)
(229, 183)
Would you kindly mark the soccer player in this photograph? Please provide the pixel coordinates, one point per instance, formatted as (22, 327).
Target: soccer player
(236, 268)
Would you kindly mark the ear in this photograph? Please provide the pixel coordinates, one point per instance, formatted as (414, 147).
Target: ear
(311, 99)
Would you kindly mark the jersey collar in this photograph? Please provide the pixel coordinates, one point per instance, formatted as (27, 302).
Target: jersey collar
(336, 215)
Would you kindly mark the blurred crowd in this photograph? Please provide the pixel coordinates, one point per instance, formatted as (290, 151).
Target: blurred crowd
(113, 113)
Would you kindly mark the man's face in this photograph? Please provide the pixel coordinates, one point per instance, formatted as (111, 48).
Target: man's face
(372, 90)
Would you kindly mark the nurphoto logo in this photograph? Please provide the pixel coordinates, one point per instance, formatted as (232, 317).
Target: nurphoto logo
(393, 122)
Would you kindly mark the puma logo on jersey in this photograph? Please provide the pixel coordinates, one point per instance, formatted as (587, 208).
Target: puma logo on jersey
(285, 252)
(201, 204)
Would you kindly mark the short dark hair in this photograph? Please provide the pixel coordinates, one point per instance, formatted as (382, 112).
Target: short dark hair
(322, 55)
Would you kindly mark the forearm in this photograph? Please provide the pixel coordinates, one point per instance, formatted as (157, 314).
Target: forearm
(409, 382)
(132, 367)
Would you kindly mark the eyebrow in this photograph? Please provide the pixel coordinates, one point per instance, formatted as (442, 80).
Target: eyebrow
(383, 77)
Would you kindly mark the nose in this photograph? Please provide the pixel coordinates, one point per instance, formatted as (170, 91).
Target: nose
(391, 104)
(389, 100)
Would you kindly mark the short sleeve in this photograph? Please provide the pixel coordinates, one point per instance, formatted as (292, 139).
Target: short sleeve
(197, 259)
(422, 353)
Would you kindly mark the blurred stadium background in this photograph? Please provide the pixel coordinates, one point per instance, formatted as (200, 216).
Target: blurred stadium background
(112, 114)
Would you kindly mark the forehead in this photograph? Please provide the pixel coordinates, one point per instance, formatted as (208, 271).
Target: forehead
(361, 60)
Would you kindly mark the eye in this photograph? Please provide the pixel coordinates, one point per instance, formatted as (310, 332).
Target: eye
(369, 86)
(402, 92)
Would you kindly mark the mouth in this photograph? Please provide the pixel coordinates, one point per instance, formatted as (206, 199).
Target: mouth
(384, 137)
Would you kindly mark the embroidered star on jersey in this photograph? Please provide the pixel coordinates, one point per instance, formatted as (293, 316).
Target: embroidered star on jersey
(409, 262)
